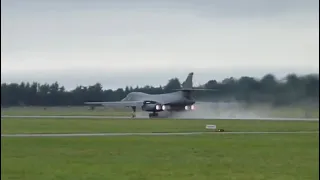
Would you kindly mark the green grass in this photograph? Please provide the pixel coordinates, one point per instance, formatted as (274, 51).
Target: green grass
(218, 156)
(64, 111)
(201, 157)
(10, 125)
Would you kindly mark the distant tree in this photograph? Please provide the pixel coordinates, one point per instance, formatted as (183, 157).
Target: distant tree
(295, 89)
(172, 84)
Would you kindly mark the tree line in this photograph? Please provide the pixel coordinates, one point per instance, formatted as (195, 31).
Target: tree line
(291, 89)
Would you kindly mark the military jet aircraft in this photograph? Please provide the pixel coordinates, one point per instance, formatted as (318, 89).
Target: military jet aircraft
(178, 101)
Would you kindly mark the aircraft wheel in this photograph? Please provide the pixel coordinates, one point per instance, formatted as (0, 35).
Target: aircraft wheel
(153, 115)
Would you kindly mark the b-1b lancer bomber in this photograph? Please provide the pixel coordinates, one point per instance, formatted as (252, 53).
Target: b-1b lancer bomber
(178, 101)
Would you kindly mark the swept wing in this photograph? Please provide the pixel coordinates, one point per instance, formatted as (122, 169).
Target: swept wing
(117, 103)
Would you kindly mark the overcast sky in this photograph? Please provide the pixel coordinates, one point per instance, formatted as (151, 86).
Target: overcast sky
(143, 42)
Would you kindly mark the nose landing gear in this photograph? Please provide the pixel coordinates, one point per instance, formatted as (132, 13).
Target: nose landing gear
(133, 115)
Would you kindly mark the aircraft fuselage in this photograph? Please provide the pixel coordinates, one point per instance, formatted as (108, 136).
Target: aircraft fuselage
(180, 100)
(175, 101)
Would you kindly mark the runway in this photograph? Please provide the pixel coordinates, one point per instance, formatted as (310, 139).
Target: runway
(147, 134)
(68, 117)
(125, 117)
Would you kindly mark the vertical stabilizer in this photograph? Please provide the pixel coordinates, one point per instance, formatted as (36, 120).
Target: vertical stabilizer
(187, 84)
(187, 87)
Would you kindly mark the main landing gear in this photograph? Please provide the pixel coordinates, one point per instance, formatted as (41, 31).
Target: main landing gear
(153, 115)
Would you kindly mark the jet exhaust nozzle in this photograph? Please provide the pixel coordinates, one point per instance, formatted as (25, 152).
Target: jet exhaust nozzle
(187, 107)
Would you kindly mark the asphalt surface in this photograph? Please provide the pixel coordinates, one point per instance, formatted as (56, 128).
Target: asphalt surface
(146, 134)
(125, 117)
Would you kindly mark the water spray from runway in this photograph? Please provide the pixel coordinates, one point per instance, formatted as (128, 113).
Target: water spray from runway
(234, 110)
(211, 111)
(220, 110)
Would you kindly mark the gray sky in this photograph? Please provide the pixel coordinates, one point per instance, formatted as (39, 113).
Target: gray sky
(143, 42)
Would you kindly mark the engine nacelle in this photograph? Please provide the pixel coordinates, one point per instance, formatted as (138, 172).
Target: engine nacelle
(148, 107)
(151, 106)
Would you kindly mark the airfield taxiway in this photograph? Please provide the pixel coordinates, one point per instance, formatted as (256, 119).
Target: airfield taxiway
(191, 118)
(148, 134)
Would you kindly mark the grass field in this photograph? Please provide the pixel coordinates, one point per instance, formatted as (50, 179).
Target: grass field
(11, 125)
(201, 157)
(241, 157)
(64, 111)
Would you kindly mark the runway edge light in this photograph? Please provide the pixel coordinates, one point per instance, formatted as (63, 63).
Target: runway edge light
(211, 126)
